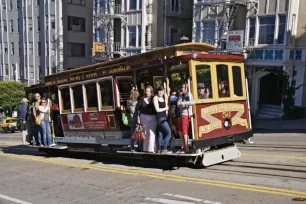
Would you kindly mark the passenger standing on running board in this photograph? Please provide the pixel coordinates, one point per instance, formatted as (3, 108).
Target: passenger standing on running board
(163, 129)
(131, 109)
(184, 104)
(147, 118)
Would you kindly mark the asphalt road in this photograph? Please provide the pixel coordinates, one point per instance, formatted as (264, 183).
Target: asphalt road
(273, 170)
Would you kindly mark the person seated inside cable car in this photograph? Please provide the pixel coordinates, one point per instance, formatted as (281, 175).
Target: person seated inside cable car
(201, 91)
(223, 93)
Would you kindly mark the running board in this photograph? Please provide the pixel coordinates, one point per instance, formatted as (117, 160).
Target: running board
(158, 154)
(221, 155)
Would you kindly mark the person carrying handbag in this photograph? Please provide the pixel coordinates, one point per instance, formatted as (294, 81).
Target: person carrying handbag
(132, 104)
(36, 129)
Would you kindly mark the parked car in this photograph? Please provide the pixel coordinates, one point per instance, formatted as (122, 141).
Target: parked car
(9, 124)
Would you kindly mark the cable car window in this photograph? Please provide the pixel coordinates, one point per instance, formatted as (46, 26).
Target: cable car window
(237, 80)
(106, 88)
(65, 94)
(223, 81)
(78, 97)
(203, 73)
(143, 79)
(125, 87)
(91, 93)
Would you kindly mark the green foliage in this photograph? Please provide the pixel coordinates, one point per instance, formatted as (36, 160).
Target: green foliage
(177, 79)
(11, 93)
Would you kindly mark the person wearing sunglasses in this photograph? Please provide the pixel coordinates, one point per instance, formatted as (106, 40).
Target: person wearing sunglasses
(44, 114)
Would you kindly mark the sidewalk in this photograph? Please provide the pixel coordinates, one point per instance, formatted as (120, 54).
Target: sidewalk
(278, 125)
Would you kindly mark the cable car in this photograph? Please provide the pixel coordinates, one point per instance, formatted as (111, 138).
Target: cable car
(91, 100)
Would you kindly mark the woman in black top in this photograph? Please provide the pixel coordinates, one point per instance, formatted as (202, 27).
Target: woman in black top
(147, 117)
(161, 106)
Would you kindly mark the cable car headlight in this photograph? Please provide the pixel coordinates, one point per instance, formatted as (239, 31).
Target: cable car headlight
(227, 123)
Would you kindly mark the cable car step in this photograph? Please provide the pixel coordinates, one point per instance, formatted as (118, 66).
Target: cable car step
(58, 147)
(158, 154)
(220, 155)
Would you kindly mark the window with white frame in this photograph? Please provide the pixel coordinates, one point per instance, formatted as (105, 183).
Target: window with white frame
(11, 26)
(266, 30)
(31, 74)
(281, 29)
(38, 48)
(252, 30)
(76, 50)
(5, 48)
(12, 48)
(132, 36)
(13, 71)
(175, 5)
(198, 32)
(30, 25)
(18, 25)
(53, 48)
(38, 23)
(30, 48)
(47, 48)
(209, 32)
(77, 2)
(76, 24)
(99, 35)
(139, 36)
(52, 17)
(293, 26)
(4, 26)
(133, 5)
(6, 69)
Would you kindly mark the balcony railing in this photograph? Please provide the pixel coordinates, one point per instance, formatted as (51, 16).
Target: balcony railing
(109, 10)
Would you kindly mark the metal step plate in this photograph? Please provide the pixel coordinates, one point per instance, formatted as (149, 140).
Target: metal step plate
(159, 154)
(221, 155)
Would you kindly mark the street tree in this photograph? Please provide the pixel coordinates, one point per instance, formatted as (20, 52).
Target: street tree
(11, 93)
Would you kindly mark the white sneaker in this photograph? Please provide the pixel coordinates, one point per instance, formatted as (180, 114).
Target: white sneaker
(52, 145)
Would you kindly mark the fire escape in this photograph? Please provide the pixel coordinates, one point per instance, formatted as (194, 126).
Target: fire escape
(223, 12)
(110, 15)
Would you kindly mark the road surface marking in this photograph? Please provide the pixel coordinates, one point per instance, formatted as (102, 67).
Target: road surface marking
(275, 156)
(183, 197)
(13, 199)
(165, 176)
(167, 201)
(190, 198)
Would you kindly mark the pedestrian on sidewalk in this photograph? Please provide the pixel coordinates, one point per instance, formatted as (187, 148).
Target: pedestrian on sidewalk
(22, 116)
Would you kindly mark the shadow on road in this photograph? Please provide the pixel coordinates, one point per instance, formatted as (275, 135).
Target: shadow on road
(147, 161)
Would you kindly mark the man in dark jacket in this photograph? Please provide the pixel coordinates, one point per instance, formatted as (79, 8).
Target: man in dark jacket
(23, 115)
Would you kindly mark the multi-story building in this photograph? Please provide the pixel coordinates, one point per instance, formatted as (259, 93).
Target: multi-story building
(40, 37)
(274, 40)
(133, 26)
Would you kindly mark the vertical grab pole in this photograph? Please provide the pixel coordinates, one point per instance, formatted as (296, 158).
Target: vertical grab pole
(192, 125)
(248, 98)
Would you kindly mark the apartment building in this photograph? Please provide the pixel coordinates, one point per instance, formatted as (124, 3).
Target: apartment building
(274, 40)
(129, 27)
(40, 37)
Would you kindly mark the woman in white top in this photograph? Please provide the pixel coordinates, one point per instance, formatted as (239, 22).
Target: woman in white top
(44, 115)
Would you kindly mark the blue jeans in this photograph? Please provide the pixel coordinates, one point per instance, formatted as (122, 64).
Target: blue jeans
(36, 134)
(163, 131)
(46, 129)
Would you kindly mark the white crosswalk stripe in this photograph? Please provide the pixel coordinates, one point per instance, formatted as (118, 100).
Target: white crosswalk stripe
(180, 199)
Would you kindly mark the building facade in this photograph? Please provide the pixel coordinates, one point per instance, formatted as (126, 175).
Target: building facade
(274, 43)
(40, 37)
(129, 27)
